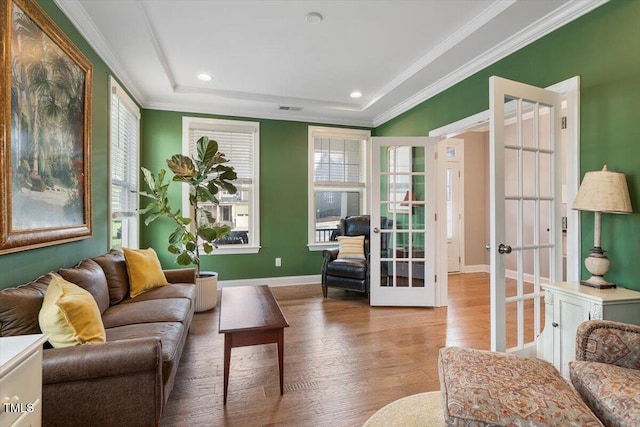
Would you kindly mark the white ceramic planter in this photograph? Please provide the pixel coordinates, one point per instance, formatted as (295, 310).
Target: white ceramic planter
(206, 291)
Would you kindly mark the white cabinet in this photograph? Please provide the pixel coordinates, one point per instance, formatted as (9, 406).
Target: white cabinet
(567, 304)
(21, 380)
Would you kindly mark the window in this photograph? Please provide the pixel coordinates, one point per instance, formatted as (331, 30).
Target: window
(240, 142)
(337, 180)
(124, 141)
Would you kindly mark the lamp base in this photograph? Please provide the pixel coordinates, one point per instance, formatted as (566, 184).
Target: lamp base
(598, 265)
(598, 282)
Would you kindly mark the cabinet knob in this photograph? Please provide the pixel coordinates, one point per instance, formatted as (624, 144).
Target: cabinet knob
(554, 324)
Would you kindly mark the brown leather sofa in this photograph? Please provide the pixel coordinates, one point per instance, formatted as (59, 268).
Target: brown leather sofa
(127, 380)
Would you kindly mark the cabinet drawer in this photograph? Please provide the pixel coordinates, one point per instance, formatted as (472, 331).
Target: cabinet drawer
(25, 382)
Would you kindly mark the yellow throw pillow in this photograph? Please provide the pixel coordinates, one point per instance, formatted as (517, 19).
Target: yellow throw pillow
(70, 315)
(145, 271)
(351, 247)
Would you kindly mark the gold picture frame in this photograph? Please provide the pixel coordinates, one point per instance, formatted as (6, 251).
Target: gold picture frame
(45, 164)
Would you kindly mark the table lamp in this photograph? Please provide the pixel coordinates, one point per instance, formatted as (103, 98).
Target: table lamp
(601, 191)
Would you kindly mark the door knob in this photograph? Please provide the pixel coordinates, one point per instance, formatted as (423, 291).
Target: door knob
(488, 247)
(504, 249)
(376, 230)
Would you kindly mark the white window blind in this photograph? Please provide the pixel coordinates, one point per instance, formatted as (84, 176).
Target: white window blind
(125, 119)
(236, 145)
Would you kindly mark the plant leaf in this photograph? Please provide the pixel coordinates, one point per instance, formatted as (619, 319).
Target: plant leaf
(207, 149)
(182, 167)
(184, 258)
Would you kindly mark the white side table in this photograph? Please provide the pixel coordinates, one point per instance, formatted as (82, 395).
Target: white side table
(21, 380)
(567, 304)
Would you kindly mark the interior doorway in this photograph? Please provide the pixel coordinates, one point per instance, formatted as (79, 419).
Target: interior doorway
(474, 132)
(455, 204)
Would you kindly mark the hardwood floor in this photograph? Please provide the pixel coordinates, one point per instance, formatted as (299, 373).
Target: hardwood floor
(343, 359)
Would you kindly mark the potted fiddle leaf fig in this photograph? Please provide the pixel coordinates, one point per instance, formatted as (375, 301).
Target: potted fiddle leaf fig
(206, 175)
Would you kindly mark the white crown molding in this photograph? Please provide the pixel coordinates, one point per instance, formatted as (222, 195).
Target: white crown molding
(258, 114)
(572, 10)
(274, 99)
(476, 23)
(162, 57)
(533, 32)
(85, 26)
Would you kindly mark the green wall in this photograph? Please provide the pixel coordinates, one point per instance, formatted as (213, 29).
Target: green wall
(603, 48)
(20, 267)
(283, 198)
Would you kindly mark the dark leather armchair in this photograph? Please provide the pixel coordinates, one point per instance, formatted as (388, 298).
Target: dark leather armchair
(349, 274)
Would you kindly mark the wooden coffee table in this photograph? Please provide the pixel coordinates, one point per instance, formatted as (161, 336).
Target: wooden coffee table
(250, 315)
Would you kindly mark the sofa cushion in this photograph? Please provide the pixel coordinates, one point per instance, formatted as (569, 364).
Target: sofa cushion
(172, 337)
(19, 307)
(481, 388)
(352, 268)
(90, 277)
(612, 392)
(174, 290)
(115, 270)
(351, 247)
(70, 315)
(145, 271)
(150, 311)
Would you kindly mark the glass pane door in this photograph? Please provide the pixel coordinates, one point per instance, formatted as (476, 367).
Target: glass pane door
(403, 238)
(525, 203)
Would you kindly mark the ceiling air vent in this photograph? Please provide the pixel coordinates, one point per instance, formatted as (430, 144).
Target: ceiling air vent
(289, 108)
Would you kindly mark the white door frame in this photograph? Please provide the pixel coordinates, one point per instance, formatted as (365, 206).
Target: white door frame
(570, 90)
(459, 146)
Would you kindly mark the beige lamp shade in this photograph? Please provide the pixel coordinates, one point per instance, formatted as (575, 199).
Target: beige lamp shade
(603, 191)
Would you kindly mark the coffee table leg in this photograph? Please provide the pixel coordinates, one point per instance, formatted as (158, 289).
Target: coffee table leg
(281, 358)
(227, 360)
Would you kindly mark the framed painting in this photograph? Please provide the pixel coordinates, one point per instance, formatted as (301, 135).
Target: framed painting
(45, 189)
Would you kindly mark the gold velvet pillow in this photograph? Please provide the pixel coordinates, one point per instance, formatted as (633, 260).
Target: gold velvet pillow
(145, 271)
(351, 247)
(70, 315)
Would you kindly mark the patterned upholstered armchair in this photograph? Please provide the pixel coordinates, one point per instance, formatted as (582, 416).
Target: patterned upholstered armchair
(606, 371)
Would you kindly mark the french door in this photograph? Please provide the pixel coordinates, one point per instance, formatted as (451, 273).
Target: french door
(525, 187)
(403, 238)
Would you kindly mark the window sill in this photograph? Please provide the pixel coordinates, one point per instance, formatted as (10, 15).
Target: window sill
(322, 246)
(235, 250)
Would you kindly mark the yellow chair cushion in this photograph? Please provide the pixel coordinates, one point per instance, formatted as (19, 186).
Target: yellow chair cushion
(70, 315)
(145, 271)
(351, 247)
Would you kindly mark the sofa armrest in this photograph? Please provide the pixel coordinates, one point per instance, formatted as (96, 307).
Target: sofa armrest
(180, 275)
(329, 254)
(124, 378)
(609, 342)
(85, 362)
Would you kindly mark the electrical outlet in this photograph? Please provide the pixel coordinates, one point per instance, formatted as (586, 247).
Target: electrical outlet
(278, 262)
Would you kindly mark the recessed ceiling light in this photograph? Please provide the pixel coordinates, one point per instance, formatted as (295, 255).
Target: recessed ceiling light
(313, 18)
(356, 94)
(204, 77)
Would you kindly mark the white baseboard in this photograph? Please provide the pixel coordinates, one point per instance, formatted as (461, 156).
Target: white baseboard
(273, 281)
(528, 278)
(509, 274)
(480, 268)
